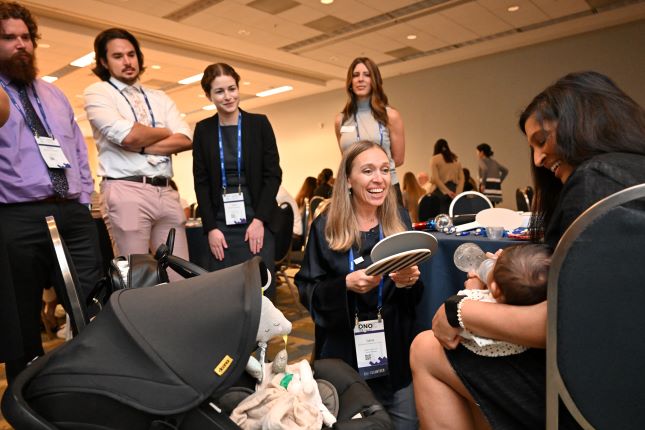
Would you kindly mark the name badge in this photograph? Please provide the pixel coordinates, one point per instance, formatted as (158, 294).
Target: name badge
(347, 128)
(52, 153)
(234, 211)
(371, 352)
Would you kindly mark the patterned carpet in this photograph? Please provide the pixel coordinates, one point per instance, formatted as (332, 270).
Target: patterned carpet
(299, 343)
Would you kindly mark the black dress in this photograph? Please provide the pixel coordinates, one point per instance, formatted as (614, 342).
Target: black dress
(321, 283)
(511, 390)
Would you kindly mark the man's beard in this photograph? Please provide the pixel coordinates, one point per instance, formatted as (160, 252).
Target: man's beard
(20, 68)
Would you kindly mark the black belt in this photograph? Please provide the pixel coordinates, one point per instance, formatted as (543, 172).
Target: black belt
(157, 181)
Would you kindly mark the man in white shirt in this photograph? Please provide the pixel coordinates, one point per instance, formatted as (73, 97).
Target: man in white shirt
(136, 130)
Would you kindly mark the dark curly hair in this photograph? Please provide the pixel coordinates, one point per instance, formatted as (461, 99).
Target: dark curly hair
(9, 10)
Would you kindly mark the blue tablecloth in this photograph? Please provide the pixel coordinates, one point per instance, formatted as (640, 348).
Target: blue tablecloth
(440, 276)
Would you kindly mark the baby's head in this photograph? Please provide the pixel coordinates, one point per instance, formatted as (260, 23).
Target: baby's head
(520, 275)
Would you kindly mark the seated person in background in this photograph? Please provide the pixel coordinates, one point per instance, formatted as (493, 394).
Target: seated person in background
(516, 275)
(412, 192)
(306, 191)
(424, 181)
(341, 297)
(469, 182)
(324, 183)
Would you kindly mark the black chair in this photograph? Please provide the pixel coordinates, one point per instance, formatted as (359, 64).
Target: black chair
(298, 248)
(595, 352)
(522, 199)
(428, 207)
(283, 239)
(468, 203)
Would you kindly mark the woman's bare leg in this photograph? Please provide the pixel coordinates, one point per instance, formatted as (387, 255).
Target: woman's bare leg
(442, 400)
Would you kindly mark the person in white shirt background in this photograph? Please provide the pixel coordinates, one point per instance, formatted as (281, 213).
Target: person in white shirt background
(136, 130)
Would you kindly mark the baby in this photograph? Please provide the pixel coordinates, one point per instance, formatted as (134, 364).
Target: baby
(516, 276)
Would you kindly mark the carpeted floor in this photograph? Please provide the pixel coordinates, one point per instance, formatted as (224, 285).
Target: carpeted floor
(299, 343)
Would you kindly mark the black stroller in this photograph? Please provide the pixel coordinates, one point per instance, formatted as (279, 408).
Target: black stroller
(166, 357)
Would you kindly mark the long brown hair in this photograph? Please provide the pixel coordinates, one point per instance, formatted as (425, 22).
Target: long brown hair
(378, 99)
(413, 192)
(342, 230)
(306, 191)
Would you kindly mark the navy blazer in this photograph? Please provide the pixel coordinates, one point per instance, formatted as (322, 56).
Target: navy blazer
(261, 166)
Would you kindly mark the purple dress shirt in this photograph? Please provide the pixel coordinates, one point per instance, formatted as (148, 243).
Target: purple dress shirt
(23, 173)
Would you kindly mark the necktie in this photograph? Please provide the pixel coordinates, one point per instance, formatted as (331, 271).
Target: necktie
(57, 176)
(136, 98)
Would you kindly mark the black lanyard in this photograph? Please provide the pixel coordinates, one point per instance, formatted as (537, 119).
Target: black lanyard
(380, 285)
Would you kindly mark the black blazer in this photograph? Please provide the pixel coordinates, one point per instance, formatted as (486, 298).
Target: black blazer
(261, 166)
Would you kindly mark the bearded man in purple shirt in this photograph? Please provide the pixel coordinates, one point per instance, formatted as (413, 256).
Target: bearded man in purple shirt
(43, 171)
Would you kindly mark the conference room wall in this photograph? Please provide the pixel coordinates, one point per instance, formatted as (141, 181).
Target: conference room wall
(466, 103)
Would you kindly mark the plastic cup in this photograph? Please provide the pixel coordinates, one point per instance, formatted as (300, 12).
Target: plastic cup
(495, 233)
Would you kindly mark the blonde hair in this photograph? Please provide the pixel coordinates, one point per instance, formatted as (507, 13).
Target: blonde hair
(342, 230)
(413, 192)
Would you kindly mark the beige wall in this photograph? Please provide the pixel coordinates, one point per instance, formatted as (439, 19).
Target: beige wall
(466, 103)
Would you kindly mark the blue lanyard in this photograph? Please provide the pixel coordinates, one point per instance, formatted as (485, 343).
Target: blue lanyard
(145, 97)
(239, 154)
(358, 134)
(22, 112)
(380, 285)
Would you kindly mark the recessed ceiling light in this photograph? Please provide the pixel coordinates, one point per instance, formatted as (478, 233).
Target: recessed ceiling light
(183, 115)
(246, 83)
(326, 1)
(513, 8)
(191, 79)
(44, 45)
(83, 61)
(209, 107)
(201, 96)
(155, 67)
(243, 32)
(274, 91)
(411, 36)
(49, 79)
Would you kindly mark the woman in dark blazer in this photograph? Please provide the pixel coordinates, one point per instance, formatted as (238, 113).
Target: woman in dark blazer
(237, 173)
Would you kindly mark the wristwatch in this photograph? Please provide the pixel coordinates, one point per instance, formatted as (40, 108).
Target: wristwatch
(450, 306)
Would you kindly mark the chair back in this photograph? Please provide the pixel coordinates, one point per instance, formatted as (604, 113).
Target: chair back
(284, 233)
(595, 352)
(72, 293)
(428, 207)
(313, 205)
(522, 200)
(469, 202)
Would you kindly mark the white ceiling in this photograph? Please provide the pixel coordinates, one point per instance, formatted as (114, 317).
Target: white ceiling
(301, 43)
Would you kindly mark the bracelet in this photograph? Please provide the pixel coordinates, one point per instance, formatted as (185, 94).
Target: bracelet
(450, 306)
(143, 150)
(459, 305)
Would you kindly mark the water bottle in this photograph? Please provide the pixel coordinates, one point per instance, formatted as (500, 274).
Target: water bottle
(485, 268)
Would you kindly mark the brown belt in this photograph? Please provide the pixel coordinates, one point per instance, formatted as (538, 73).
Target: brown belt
(157, 181)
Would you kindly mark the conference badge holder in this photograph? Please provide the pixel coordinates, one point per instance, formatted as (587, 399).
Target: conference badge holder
(371, 352)
(234, 210)
(52, 153)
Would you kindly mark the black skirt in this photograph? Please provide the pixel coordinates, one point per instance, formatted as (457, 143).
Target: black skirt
(510, 390)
